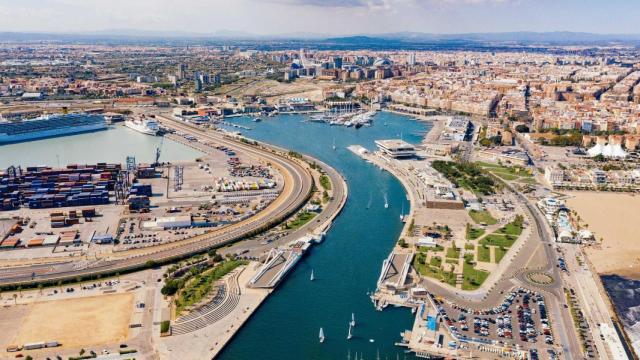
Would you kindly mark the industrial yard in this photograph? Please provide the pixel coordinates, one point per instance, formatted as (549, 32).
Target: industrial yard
(105, 208)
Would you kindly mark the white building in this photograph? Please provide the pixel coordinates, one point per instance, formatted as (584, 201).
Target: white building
(170, 222)
(396, 148)
(554, 175)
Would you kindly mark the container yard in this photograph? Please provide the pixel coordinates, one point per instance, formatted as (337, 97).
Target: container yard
(45, 187)
(103, 208)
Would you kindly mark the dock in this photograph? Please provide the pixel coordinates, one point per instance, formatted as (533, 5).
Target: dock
(395, 270)
(280, 261)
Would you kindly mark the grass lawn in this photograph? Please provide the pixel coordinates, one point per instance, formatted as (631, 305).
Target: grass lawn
(419, 263)
(469, 246)
(453, 253)
(201, 285)
(484, 253)
(513, 170)
(302, 218)
(472, 278)
(425, 249)
(474, 233)
(500, 253)
(498, 240)
(511, 229)
(435, 261)
(452, 261)
(505, 176)
(325, 182)
(482, 216)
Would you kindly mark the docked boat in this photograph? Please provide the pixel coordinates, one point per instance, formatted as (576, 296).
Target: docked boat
(257, 119)
(143, 125)
(12, 131)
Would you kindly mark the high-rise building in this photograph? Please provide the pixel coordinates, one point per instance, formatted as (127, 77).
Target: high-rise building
(204, 79)
(180, 71)
(198, 82)
(411, 59)
(337, 62)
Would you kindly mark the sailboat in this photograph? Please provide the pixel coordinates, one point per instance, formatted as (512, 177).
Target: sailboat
(334, 143)
(353, 320)
(349, 335)
(321, 335)
(312, 277)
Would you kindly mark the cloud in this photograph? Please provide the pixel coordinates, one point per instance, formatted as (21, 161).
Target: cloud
(384, 3)
(371, 4)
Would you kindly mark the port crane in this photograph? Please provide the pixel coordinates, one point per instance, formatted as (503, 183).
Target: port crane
(158, 152)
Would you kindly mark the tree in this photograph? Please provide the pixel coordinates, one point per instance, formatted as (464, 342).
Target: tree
(522, 128)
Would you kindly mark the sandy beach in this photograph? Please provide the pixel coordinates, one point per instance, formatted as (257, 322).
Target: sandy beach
(614, 218)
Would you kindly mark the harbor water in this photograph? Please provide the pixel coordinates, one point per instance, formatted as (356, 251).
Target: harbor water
(112, 145)
(347, 264)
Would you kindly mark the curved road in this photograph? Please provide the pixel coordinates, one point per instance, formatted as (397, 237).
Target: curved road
(298, 184)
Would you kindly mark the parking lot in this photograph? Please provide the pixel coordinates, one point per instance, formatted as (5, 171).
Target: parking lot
(519, 323)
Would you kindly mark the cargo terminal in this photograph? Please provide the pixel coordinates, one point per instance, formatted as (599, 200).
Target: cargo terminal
(82, 209)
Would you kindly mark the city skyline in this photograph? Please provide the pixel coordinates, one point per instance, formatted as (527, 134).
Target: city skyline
(321, 18)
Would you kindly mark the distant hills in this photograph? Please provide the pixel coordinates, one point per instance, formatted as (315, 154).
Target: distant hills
(360, 40)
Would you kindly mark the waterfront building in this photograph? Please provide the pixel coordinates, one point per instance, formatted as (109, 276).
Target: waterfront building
(396, 148)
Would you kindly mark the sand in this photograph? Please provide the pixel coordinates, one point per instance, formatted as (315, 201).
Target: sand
(78, 322)
(614, 217)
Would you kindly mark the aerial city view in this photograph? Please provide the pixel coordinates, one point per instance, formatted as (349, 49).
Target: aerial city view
(319, 179)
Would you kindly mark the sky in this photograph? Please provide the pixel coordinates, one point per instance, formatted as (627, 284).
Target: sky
(331, 17)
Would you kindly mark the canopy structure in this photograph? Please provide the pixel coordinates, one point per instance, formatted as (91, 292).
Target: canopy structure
(609, 151)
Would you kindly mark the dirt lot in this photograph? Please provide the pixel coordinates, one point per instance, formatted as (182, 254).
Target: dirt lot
(68, 321)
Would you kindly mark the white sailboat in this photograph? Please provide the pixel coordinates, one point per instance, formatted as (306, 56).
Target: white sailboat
(321, 335)
(349, 335)
(353, 320)
(312, 277)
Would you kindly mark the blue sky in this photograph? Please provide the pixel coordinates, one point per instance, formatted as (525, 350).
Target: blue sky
(268, 17)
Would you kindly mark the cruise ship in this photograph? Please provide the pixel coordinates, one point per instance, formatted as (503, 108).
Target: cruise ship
(144, 125)
(49, 126)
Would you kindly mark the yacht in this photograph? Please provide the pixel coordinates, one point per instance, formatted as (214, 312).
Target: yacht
(321, 335)
(143, 125)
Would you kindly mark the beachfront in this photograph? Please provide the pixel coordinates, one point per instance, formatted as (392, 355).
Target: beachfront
(612, 217)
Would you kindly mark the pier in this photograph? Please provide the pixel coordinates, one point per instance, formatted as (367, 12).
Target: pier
(395, 270)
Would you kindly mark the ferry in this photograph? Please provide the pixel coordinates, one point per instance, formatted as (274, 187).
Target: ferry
(49, 126)
(143, 125)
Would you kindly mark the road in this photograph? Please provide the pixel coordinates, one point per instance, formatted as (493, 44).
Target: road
(298, 184)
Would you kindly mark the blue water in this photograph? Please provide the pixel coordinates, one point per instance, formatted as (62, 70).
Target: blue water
(346, 265)
(112, 145)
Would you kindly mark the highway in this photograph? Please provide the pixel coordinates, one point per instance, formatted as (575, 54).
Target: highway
(298, 184)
